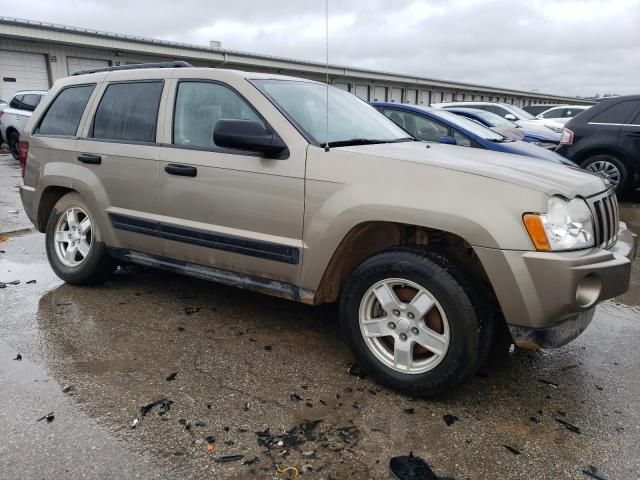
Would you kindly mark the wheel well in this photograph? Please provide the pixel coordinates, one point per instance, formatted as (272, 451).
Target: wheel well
(49, 198)
(370, 238)
(11, 130)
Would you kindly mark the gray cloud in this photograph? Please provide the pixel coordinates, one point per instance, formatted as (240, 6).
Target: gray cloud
(572, 47)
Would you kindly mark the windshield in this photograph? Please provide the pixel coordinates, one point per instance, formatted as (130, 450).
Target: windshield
(493, 119)
(351, 121)
(521, 113)
(469, 125)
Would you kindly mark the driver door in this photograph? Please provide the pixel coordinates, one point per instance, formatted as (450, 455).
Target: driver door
(228, 209)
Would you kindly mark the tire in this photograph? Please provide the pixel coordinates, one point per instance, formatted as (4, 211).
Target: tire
(456, 320)
(13, 141)
(89, 266)
(608, 164)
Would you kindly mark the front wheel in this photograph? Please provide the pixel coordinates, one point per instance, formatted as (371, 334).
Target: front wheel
(411, 324)
(75, 248)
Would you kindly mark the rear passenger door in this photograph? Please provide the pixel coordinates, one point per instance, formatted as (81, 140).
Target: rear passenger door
(117, 158)
(629, 139)
(228, 209)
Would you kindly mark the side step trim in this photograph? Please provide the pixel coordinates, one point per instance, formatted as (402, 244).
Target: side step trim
(225, 277)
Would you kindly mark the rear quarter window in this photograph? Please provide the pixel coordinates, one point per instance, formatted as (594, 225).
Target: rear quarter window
(64, 114)
(617, 113)
(16, 102)
(128, 111)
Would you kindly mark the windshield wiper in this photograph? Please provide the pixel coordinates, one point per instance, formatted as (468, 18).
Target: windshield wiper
(367, 141)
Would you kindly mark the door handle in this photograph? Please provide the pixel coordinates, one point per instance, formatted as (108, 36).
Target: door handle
(183, 170)
(89, 158)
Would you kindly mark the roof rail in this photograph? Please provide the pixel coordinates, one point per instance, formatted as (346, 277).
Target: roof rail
(136, 66)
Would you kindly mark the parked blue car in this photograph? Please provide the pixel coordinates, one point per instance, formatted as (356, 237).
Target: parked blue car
(539, 135)
(444, 126)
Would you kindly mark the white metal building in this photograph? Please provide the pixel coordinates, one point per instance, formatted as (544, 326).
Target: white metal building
(35, 54)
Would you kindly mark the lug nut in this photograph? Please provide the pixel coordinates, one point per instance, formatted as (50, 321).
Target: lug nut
(396, 313)
(403, 337)
(415, 331)
(391, 325)
(410, 315)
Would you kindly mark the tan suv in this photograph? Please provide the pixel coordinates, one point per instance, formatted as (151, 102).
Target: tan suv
(233, 177)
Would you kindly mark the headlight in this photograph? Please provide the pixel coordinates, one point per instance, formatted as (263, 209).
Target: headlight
(567, 225)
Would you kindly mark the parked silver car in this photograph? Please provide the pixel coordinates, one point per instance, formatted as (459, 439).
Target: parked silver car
(14, 117)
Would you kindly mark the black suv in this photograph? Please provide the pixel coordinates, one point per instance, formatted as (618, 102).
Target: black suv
(606, 139)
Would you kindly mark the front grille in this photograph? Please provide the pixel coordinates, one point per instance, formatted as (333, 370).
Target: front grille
(606, 216)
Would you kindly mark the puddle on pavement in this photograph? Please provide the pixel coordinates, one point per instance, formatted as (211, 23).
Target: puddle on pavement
(244, 360)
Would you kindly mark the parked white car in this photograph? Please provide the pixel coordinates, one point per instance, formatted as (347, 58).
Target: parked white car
(562, 114)
(510, 112)
(15, 117)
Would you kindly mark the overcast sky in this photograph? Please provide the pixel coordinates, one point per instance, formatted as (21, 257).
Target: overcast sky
(566, 47)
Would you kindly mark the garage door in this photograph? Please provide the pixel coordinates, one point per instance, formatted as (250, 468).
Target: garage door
(342, 86)
(362, 91)
(380, 94)
(75, 64)
(396, 95)
(22, 71)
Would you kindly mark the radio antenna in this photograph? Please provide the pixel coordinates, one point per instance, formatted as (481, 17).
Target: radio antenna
(326, 36)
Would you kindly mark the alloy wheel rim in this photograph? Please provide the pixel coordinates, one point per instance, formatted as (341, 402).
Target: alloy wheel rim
(73, 236)
(404, 326)
(606, 169)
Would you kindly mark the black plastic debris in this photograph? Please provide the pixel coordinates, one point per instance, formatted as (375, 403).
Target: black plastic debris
(513, 450)
(171, 376)
(561, 413)
(295, 397)
(535, 419)
(67, 388)
(18, 357)
(410, 467)
(229, 458)
(250, 461)
(49, 417)
(450, 419)
(180, 328)
(191, 310)
(409, 411)
(268, 348)
(4, 284)
(569, 426)
(549, 382)
(593, 472)
(356, 370)
(31, 282)
(163, 404)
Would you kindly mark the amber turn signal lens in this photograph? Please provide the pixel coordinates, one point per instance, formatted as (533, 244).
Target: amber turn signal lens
(535, 228)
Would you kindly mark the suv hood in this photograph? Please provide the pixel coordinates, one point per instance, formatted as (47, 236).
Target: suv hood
(547, 177)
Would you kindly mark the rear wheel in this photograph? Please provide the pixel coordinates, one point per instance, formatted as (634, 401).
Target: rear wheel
(411, 324)
(610, 168)
(75, 249)
(13, 141)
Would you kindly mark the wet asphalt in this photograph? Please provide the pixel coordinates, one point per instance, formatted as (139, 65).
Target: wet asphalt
(250, 367)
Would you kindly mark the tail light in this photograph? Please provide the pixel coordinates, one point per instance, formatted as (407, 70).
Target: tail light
(566, 138)
(23, 151)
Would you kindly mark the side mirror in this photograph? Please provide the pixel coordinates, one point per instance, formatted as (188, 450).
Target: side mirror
(511, 117)
(447, 140)
(247, 135)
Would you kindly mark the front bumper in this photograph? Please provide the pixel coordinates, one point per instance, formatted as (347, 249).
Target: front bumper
(549, 298)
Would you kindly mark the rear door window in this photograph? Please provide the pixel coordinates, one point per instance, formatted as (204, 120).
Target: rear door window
(617, 114)
(64, 114)
(128, 111)
(31, 101)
